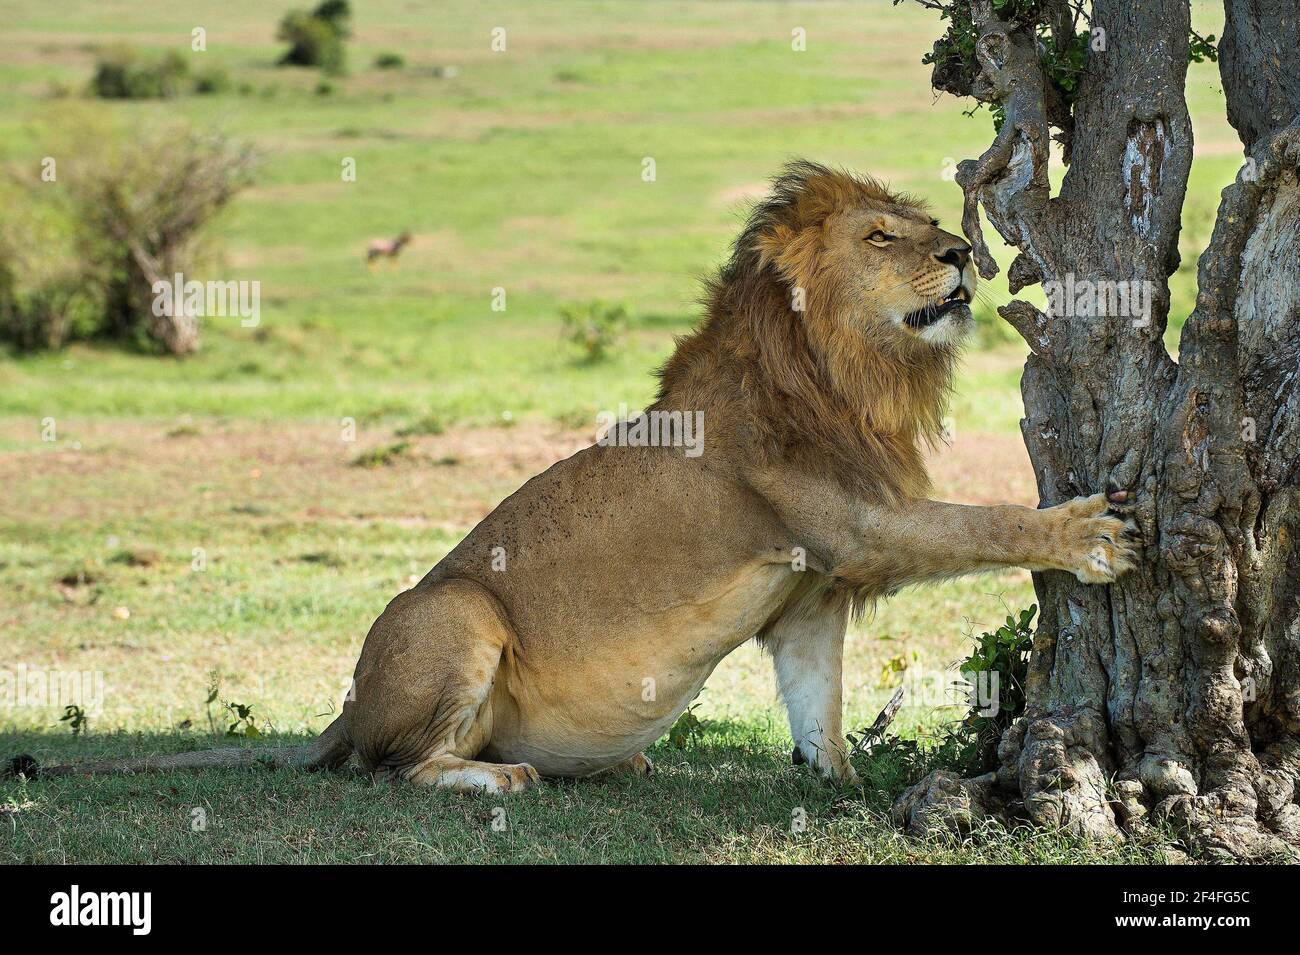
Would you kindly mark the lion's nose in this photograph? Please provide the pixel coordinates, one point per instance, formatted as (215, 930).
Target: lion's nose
(957, 255)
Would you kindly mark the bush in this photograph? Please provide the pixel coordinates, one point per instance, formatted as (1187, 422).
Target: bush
(121, 73)
(142, 213)
(336, 13)
(316, 38)
(42, 311)
(212, 81)
(82, 262)
(389, 61)
(594, 328)
(45, 300)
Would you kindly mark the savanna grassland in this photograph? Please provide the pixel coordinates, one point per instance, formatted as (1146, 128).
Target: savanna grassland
(209, 523)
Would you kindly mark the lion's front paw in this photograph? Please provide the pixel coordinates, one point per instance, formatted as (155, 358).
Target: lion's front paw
(1097, 545)
(830, 761)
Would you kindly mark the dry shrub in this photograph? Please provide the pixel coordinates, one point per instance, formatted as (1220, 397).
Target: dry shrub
(128, 208)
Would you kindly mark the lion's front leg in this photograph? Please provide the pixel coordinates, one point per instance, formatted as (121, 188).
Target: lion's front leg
(926, 540)
(807, 650)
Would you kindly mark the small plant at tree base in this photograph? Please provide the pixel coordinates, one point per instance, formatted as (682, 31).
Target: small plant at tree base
(594, 328)
(45, 301)
(999, 661)
(895, 762)
(967, 746)
(76, 719)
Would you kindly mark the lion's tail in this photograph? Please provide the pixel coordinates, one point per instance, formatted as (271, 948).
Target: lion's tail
(328, 751)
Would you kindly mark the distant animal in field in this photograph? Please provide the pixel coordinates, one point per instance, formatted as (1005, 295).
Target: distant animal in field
(386, 248)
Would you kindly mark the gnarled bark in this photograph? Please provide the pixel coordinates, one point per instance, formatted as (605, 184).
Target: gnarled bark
(1174, 694)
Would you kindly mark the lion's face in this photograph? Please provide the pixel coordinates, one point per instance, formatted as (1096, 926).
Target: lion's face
(865, 256)
(904, 271)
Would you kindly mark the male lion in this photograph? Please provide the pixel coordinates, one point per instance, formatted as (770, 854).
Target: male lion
(575, 623)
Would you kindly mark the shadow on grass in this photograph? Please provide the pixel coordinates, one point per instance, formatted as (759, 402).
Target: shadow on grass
(731, 795)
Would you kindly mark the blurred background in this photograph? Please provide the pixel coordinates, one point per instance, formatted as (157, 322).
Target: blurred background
(467, 227)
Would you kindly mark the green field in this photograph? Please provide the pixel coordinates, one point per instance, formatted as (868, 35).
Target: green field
(204, 514)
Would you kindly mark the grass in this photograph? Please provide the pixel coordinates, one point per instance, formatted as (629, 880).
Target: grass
(244, 511)
(726, 798)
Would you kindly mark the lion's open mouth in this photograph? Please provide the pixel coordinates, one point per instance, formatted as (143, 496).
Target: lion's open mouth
(926, 316)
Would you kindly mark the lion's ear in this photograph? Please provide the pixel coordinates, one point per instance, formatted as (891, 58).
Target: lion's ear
(793, 253)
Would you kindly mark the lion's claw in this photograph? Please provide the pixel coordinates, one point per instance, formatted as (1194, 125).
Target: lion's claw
(1100, 544)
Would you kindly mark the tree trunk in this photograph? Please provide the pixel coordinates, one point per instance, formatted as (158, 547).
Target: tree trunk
(176, 328)
(1173, 695)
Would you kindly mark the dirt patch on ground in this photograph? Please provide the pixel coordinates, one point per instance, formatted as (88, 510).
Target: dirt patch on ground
(102, 468)
(984, 469)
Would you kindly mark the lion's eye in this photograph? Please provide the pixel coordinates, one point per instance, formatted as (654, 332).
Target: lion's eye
(880, 237)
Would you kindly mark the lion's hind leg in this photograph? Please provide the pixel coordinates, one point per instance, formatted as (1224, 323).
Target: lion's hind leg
(423, 707)
(472, 776)
(638, 765)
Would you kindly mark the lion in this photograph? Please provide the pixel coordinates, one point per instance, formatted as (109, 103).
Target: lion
(569, 630)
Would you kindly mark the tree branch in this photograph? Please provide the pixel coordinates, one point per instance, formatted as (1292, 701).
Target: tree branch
(1010, 178)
